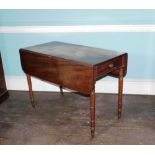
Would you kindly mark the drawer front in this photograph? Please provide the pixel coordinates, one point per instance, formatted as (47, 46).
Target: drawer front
(108, 66)
(63, 72)
(115, 73)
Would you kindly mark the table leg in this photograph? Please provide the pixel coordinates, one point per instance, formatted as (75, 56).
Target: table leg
(120, 92)
(61, 90)
(92, 113)
(30, 89)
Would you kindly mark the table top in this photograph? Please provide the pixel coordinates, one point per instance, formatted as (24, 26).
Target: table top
(80, 53)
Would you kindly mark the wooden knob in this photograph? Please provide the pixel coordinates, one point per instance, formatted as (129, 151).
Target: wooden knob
(111, 65)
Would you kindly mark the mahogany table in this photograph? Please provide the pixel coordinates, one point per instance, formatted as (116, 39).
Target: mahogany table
(3, 90)
(75, 67)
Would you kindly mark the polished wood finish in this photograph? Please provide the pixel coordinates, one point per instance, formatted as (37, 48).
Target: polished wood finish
(76, 53)
(120, 91)
(3, 90)
(75, 67)
(66, 73)
(30, 89)
(92, 113)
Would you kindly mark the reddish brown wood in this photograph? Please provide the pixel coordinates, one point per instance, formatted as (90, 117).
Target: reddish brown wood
(124, 61)
(3, 90)
(108, 66)
(120, 91)
(30, 90)
(92, 113)
(75, 67)
(67, 73)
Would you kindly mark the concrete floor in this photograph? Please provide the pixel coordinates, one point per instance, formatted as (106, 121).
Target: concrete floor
(65, 119)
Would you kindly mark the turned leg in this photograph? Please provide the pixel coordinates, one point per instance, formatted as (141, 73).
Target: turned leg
(61, 90)
(120, 92)
(92, 113)
(30, 89)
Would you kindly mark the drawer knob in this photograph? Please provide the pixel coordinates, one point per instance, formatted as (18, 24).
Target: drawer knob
(111, 65)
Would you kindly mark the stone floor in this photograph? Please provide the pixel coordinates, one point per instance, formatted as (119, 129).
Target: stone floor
(65, 119)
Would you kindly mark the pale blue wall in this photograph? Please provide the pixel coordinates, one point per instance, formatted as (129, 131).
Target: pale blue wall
(73, 17)
(140, 46)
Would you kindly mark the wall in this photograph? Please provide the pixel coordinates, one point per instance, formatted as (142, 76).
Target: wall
(126, 31)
